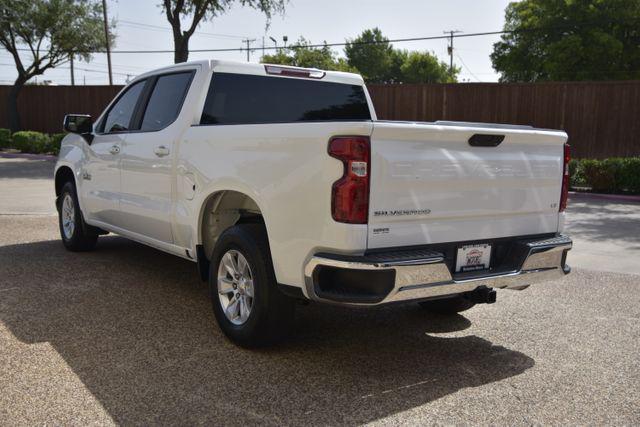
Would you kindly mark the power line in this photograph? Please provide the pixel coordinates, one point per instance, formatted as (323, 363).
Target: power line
(401, 40)
(410, 39)
(150, 27)
(467, 68)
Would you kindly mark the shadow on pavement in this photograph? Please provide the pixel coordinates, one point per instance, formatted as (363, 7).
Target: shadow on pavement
(136, 327)
(599, 220)
(29, 169)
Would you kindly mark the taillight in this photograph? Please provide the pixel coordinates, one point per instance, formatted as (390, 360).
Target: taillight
(565, 178)
(350, 194)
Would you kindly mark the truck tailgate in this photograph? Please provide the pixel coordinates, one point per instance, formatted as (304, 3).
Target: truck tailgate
(430, 185)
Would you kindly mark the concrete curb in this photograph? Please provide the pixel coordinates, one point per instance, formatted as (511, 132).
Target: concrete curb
(48, 157)
(610, 197)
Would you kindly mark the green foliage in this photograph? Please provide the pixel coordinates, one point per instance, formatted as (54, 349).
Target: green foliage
(601, 175)
(569, 40)
(422, 67)
(54, 143)
(45, 33)
(29, 141)
(630, 174)
(379, 62)
(5, 138)
(576, 174)
(52, 28)
(303, 55)
(612, 175)
(370, 55)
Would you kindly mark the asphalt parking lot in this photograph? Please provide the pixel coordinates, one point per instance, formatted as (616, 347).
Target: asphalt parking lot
(126, 335)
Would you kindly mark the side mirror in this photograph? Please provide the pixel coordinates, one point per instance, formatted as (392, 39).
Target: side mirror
(78, 123)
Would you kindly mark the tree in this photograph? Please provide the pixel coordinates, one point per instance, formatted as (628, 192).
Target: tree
(569, 40)
(50, 31)
(379, 62)
(303, 55)
(205, 10)
(423, 67)
(371, 54)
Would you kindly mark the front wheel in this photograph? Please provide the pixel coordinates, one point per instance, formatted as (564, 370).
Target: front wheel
(76, 234)
(249, 308)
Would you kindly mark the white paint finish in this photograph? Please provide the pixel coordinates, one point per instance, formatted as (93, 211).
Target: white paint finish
(146, 200)
(99, 178)
(456, 192)
(148, 179)
(471, 193)
(285, 169)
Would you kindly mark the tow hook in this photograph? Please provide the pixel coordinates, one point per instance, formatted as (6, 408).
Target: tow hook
(482, 295)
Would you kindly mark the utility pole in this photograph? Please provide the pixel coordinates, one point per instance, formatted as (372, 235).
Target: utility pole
(248, 42)
(450, 49)
(106, 36)
(73, 78)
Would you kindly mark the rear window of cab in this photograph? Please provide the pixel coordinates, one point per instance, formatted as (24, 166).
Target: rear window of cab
(249, 99)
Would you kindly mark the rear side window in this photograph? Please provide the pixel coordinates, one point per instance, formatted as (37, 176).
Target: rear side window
(119, 116)
(248, 99)
(166, 101)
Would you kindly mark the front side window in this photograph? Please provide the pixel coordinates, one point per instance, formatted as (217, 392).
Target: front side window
(118, 118)
(251, 99)
(166, 101)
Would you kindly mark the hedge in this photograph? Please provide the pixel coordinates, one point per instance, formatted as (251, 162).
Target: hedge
(5, 138)
(614, 175)
(31, 141)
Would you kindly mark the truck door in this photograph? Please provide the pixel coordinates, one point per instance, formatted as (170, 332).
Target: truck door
(148, 158)
(100, 175)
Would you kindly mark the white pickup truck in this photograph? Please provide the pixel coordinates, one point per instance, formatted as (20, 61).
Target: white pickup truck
(281, 184)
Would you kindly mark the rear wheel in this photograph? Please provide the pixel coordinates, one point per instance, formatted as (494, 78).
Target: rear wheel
(449, 305)
(76, 234)
(249, 308)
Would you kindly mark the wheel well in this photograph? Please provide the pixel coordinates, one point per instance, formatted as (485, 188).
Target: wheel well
(63, 175)
(225, 209)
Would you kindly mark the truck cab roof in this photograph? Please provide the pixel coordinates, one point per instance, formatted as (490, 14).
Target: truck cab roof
(277, 70)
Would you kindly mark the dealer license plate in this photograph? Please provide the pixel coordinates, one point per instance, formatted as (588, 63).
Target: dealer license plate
(473, 257)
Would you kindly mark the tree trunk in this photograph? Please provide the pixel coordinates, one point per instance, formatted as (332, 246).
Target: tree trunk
(12, 105)
(181, 48)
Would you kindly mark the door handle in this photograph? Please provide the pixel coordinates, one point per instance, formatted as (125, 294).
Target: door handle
(161, 151)
(114, 149)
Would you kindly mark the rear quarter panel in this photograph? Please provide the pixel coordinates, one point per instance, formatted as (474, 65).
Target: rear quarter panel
(286, 170)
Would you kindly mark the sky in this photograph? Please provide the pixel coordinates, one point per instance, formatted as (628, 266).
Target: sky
(141, 25)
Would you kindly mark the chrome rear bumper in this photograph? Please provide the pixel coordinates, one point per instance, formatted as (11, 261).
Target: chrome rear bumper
(428, 276)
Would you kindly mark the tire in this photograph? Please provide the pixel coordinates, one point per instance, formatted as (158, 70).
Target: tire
(451, 305)
(77, 236)
(268, 314)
